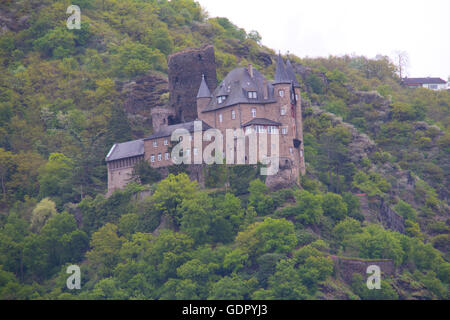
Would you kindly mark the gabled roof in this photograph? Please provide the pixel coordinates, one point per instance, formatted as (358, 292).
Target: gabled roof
(126, 150)
(261, 121)
(415, 81)
(235, 88)
(281, 75)
(167, 131)
(203, 91)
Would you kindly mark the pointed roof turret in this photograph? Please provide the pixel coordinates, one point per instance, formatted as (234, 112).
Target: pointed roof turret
(291, 74)
(281, 75)
(203, 91)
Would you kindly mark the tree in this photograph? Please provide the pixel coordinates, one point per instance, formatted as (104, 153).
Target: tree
(197, 217)
(146, 173)
(171, 192)
(228, 288)
(6, 166)
(271, 235)
(334, 206)
(105, 244)
(402, 63)
(259, 198)
(43, 211)
(286, 283)
(55, 178)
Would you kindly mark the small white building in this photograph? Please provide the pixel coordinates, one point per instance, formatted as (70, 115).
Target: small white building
(429, 83)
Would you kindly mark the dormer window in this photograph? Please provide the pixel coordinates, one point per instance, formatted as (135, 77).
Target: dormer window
(252, 95)
(221, 99)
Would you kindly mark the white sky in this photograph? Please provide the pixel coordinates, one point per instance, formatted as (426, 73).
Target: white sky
(322, 27)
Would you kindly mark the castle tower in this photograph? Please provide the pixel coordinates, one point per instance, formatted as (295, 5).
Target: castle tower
(161, 117)
(185, 74)
(203, 96)
(287, 92)
(296, 97)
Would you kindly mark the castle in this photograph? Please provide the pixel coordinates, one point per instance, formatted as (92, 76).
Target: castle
(245, 100)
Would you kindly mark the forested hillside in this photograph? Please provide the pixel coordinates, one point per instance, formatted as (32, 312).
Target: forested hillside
(376, 188)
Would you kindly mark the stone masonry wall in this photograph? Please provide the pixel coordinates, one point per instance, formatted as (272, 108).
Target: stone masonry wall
(185, 75)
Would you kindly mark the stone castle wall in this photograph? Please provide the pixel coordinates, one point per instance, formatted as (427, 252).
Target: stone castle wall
(185, 75)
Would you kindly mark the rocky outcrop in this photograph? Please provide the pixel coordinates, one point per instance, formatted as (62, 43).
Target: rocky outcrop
(360, 146)
(391, 219)
(140, 96)
(12, 21)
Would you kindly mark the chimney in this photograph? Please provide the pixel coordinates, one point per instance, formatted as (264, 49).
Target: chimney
(265, 90)
(250, 70)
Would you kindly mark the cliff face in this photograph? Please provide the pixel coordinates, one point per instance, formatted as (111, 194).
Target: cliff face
(185, 74)
(140, 96)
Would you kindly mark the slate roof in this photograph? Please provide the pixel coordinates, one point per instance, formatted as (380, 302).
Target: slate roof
(261, 121)
(413, 81)
(236, 86)
(126, 150)
(203, 91)
(167, 131)
(281, 75)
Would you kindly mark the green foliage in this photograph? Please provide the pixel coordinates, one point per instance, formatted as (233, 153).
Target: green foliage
(55, 178)
(259, 199)
(405, 210)
(334, 206)
(315, 83)
(308, 209)
(61, 109)
(372, 184)
(146, 173)
(42, 213)
(170, 194)
(269, 236)
(387, 292)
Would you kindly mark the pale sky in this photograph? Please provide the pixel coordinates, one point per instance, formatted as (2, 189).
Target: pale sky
(316, 28)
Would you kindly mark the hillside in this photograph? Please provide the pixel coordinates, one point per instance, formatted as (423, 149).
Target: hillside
(376, 188)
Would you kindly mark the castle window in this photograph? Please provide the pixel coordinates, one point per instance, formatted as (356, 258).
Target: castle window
(291, 151)
(233, 114)
(166, 142)
(252, 95)
(281, 93)
(248, 130)
(272, 130)
(159, 157)
(284, 130)
(152, 158)
(155, 144)
(254, 112)
(301, 153)
(260, 129)
(188, 152)
(220, 118)
(195, 151)
(166, 156)
(221, 99)
(283, 110)
(296, 97)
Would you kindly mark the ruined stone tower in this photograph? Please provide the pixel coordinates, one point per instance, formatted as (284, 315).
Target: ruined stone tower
(185, 74)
